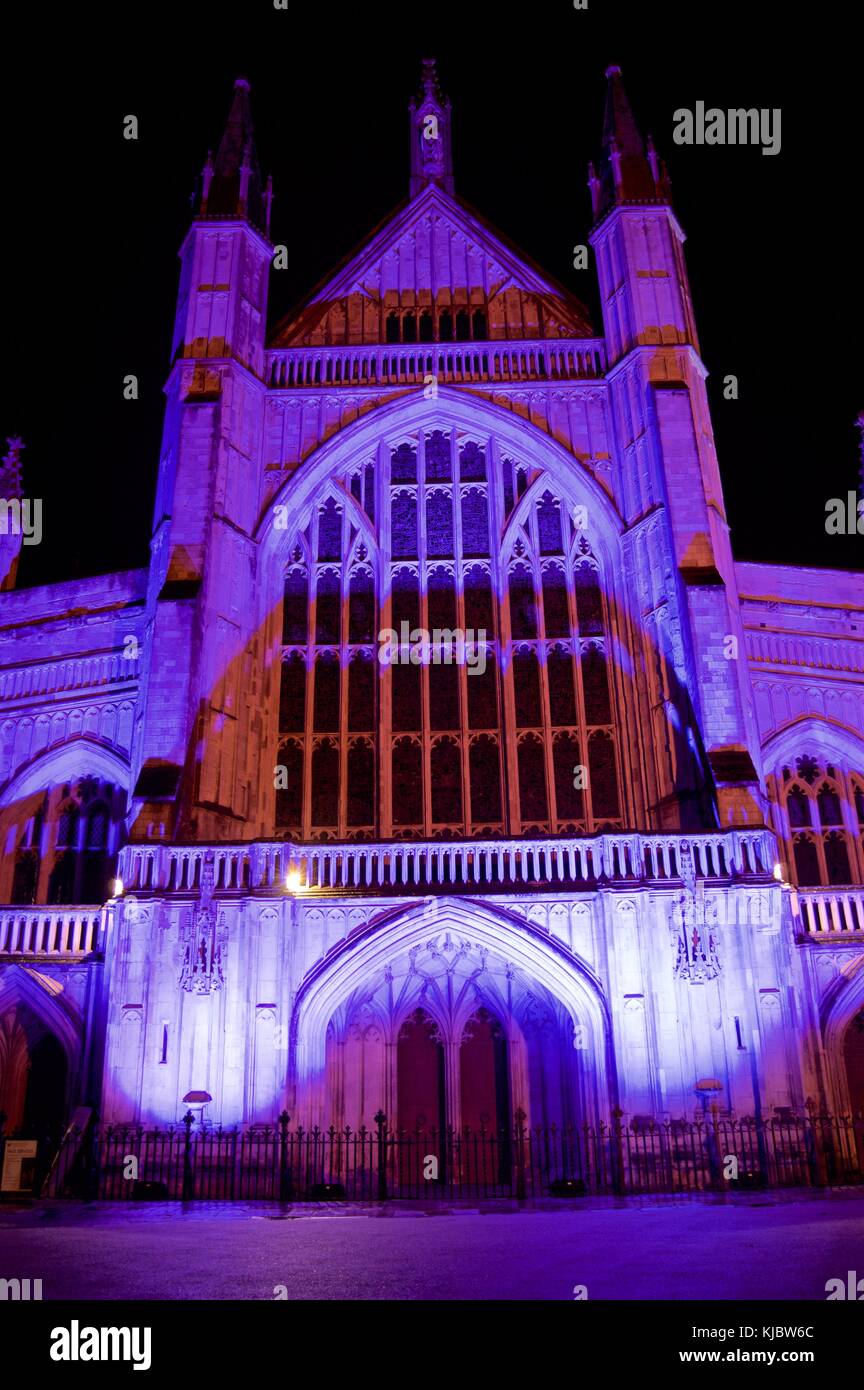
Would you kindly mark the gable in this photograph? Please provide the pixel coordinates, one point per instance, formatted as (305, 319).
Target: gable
(435, 271)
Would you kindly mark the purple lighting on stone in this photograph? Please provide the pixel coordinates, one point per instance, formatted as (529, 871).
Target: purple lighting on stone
(530, 892)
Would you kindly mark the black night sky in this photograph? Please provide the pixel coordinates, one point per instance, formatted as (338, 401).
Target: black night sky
(93, 222)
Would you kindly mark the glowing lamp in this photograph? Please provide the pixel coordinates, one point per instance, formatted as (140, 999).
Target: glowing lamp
(118, 888)
(293, 882)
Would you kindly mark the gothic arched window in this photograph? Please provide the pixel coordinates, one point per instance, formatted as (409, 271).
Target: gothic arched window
(549, 525)
(289, 787)
(361, 607)
(475, 523)
(295, 607)
(569, 782)
(556, 610)
(328, 608)
(837, 858)
(403, 464)
(438, 462)
(325, 783)
(602, 779)
(361, 692)
(407, 782)
(25, 877)
(439, 523)
(532, 779)
(828, 801)
(819, 800)
(798, 807)
(95, 866)
(515, 693)
(326, 717)
(292, 694)
(523, 609)
(807, 872)
(330, 531)
(403, 521)
(479, 615)
(472, 463)
(361, 783)
(482, 687)
(446, 781)
(406, 600)
(485, 780)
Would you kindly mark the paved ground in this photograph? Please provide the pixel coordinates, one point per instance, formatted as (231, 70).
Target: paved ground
(748, 1247)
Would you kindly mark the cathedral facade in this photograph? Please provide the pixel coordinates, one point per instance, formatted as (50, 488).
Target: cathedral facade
(443, 762)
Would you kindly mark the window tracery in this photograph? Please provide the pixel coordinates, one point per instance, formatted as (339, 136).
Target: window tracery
(424, 748)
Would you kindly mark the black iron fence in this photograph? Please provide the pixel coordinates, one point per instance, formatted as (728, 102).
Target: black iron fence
(193, 1162)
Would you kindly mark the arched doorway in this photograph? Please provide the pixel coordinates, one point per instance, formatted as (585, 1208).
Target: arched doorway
(853, 1057)
(420, 1080)
(33, 1075)
(843, 1035)
(45, 1103)
(484, 1074)
(462, 1012)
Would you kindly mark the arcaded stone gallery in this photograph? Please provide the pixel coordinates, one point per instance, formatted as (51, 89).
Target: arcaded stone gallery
(443, 765)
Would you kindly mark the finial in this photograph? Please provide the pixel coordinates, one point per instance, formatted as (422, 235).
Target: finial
(10, 473)
(268, 203)
(16, 444)
(653, 161)
(232, 182)
(430, 77)
(431, 157)
(207, 176)
(245, 171)
(630, 170)
(595, 187)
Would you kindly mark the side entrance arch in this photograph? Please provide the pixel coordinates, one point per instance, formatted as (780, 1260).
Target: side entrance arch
(39, 1054)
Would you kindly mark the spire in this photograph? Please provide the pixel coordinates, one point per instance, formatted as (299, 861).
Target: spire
(11, 537)
(629, 170)
(231, 185)
(431, 155)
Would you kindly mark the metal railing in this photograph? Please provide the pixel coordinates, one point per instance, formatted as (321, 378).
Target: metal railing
(191, 1162)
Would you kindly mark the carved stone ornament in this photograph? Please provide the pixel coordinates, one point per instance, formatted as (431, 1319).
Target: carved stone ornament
(204, 940)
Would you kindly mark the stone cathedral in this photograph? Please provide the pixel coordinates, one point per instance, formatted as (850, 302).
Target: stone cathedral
(443, 761)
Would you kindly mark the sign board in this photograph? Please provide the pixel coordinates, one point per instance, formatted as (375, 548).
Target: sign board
(19, 1165)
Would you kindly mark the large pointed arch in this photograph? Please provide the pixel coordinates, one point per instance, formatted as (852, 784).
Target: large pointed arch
(80, 757)
(413, 411)
(828, 736)
(478, 762)
(839, 1007)
(45, 1000)
(360, 957)
(820, 850)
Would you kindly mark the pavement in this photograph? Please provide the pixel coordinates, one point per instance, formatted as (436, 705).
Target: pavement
(755, 1246)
